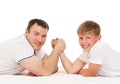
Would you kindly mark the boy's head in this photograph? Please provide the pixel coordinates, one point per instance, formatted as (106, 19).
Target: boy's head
(89, 27)
(89, 34)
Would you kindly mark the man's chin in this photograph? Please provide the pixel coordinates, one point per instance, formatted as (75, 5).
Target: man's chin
(37, 49)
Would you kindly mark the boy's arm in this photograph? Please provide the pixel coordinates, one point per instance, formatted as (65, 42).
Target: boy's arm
(71, 68)
(92, 70)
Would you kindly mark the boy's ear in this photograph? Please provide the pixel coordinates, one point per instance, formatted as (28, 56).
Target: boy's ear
(99, 37)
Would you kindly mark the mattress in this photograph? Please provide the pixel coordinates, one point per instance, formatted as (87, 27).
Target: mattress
(61, 77)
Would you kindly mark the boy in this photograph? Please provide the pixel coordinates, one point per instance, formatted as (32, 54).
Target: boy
(102, 60)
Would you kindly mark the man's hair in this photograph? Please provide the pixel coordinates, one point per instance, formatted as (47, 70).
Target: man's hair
(40, 22)
(89, 27)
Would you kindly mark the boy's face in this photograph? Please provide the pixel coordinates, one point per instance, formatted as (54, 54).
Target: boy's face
(36, 36)
(87, 41)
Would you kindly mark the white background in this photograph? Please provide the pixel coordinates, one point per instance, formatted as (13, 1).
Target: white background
(63, 17)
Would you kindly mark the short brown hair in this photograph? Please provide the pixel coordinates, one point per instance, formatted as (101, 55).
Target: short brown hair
(40, 22)
(89, 27)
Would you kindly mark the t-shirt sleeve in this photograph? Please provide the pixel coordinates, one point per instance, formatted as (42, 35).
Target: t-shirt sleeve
(23, 53)
(98, 54)
(97, 57)
(42, 54)
(83, 56)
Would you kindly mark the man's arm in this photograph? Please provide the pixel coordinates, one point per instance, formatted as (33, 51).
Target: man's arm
(46, 66)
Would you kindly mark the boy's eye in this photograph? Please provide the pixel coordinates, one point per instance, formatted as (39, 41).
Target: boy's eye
(88, 37)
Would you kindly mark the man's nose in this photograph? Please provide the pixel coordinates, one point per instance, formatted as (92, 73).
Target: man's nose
(39, 38)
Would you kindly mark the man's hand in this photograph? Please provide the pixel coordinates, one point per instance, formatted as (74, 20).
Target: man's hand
(53, 42)
(58, 45)
(30, 74)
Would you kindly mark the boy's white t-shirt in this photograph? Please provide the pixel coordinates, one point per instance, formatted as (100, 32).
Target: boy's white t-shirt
(102, 53)
(13, 51)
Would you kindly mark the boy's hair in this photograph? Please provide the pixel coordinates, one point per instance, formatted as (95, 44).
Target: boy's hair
(40, 22)
(89, 27)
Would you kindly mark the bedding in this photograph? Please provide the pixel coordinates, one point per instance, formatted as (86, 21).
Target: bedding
(58, 78)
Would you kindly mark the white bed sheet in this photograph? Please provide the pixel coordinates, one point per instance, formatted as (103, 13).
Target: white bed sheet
(58, 78)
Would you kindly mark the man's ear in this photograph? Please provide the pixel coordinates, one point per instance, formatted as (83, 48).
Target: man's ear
(26, 31)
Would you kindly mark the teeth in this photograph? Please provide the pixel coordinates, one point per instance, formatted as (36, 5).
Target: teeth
(86, 46)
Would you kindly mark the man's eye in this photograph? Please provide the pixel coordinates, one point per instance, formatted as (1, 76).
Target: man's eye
(36, 34)
(44, 36)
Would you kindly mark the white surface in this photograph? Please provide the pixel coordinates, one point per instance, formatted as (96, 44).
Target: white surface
(58, 78)
(63, 17)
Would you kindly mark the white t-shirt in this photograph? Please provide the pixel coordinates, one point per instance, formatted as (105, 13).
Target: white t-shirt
(13, 51)
(103, 54)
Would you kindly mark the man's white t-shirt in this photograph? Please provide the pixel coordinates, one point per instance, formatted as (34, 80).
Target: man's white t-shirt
(102, 53)
(13, 51)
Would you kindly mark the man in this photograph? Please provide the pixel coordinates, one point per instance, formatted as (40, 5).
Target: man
(25, 52)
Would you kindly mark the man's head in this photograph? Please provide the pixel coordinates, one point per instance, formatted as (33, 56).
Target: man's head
(36, 33)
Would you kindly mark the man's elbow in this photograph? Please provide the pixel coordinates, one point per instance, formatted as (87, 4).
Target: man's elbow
(56, 69)
(48, 72)
(44, 74)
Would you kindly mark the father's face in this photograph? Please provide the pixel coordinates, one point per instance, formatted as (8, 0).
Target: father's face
(36, 36)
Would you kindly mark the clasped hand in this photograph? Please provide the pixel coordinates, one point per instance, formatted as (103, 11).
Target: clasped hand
(58, 44)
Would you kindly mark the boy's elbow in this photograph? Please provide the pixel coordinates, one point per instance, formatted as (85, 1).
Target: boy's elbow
(71, 72)
(68, 72)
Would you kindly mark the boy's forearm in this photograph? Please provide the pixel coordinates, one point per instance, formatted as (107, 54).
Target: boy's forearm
(67, 64)
(87, 73)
